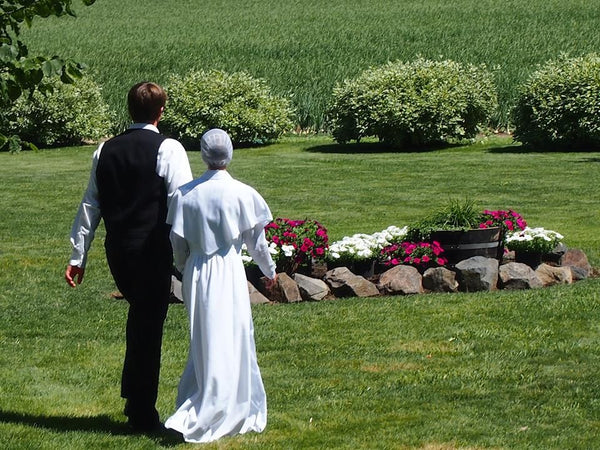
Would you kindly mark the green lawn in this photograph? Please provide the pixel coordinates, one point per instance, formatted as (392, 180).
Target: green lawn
(480, 370)
(302, 48)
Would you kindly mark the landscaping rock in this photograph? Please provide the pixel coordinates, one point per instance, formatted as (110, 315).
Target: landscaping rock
(285, 290)
(440, 279)
(577, 261)
(344, 283)
(311, 288)
(555, 255)
(518, 276)
(256, 297)
(550, 275)
(477, 273)
(401, 280)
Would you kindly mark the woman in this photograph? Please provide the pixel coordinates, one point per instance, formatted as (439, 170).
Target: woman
(221, 391)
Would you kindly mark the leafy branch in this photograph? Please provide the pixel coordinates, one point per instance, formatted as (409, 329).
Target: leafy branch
(20, 72)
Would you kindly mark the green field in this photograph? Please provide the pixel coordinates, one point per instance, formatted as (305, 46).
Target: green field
(302, 48)
(501, 370)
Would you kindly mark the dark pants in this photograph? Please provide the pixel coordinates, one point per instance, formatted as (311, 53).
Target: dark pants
(143, 275)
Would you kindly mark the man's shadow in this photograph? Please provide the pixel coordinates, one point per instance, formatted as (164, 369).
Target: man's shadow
(95, 424)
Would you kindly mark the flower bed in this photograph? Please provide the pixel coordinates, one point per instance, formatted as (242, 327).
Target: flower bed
(296, 245)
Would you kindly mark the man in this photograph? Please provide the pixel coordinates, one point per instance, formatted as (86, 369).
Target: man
(133, 177)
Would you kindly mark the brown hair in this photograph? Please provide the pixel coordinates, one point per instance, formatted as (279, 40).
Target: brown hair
(145, 101)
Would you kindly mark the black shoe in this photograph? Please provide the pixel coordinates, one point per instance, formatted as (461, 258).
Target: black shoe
(142, 426)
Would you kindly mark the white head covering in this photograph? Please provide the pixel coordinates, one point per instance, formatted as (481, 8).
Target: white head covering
(216, 147)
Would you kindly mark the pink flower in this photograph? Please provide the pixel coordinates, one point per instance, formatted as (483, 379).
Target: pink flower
(425, 259)
(320, 250)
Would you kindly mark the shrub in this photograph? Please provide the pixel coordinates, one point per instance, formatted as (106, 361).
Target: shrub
(237, 103)
(421, 255)
(417, 103)
(59, 114)
(296, 243)
(533, 240)
(559, 105)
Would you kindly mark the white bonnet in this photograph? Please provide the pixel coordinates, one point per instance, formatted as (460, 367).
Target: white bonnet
(216, 147)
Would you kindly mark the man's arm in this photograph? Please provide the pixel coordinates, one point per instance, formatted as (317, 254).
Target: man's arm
(84, 227)
(173, 166)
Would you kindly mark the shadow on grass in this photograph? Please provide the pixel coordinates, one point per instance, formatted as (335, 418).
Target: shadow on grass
(529, 149)
(374, 147)
(96, 424)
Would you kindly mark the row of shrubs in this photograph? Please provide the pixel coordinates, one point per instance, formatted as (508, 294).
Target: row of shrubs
(404, 104)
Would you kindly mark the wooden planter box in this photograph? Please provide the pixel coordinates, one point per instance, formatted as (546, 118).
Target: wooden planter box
(460, 245)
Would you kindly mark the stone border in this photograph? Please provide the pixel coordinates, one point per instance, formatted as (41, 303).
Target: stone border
(471, 275)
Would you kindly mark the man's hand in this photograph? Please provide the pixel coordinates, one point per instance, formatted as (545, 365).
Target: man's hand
(74, 275)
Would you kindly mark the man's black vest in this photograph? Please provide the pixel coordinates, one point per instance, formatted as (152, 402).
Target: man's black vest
(133, 198)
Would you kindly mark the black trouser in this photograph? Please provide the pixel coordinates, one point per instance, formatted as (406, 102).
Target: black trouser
(143, 275)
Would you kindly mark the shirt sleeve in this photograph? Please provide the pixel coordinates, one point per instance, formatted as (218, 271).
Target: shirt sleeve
(87, 219)
(173, 166)
(258, 249)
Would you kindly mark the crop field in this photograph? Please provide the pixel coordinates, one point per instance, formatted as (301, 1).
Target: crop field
(302, 48)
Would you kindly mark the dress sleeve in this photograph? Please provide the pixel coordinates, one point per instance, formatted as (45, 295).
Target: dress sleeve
(258, 249)
(86, 220)
(181, 251)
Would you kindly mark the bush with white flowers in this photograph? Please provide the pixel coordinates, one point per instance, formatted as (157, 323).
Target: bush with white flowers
(363, 247)
(533, 240)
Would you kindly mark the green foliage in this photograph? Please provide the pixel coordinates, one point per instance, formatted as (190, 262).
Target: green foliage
(559, 105)
(59, 114)
(237, 103)
(456, 215)
(414, 104)
(19, 71)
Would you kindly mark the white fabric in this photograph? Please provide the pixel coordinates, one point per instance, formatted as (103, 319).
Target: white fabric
(171, 164)
(221, 392)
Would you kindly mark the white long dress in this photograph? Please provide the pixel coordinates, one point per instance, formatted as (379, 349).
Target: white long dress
(221, 392)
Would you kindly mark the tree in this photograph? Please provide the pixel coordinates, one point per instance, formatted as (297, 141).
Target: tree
(21, 72)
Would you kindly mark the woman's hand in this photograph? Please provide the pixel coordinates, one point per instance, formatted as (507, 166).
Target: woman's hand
(271, 282)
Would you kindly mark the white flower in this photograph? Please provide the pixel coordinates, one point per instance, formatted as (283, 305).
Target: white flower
(533, 239)
(245, 256)
(288, 250)
(365, 246)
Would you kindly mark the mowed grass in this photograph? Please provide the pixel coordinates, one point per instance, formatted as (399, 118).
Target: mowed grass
(302, 48)
(479, 370)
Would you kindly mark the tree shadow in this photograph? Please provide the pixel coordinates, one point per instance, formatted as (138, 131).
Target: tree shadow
(594, 159)
(94, 424)
(534, 149)
(375, 147)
